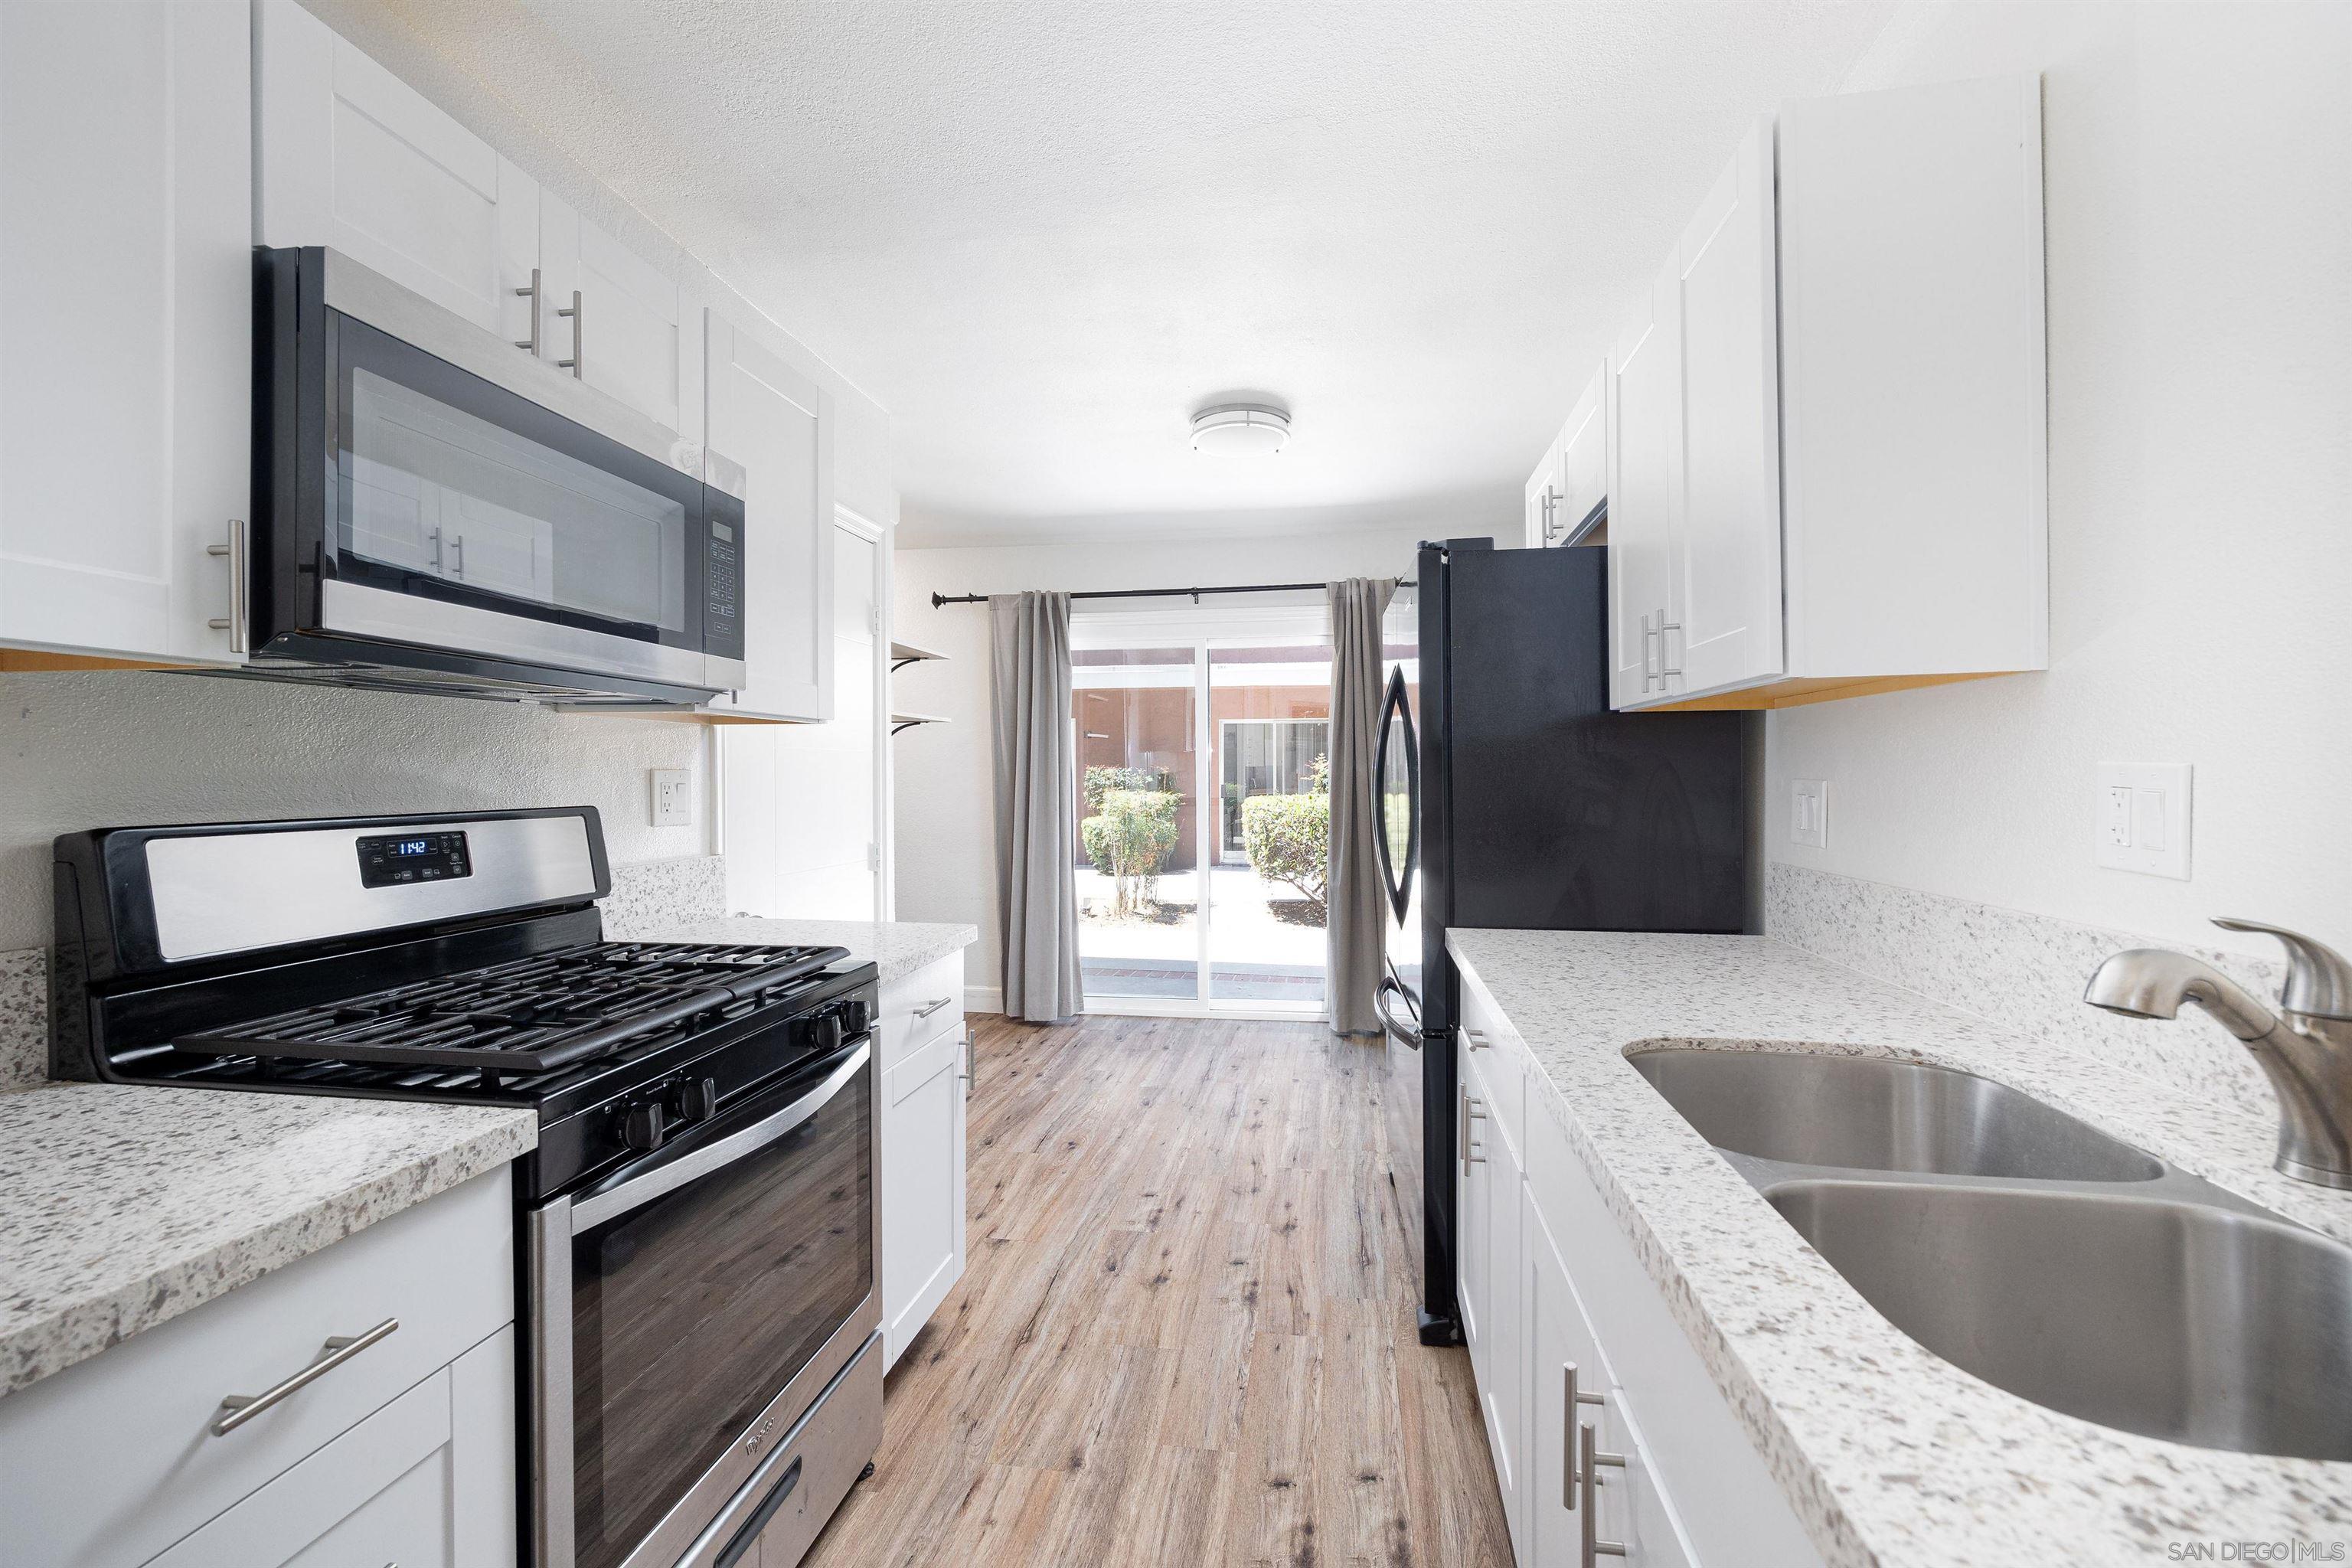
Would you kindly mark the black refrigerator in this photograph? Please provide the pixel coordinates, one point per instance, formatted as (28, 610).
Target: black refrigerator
(1512, 797)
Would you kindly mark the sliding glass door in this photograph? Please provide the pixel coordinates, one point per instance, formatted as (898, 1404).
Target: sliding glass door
(1184, 909)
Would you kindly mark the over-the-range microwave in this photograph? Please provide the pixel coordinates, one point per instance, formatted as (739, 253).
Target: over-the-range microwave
(435, 508)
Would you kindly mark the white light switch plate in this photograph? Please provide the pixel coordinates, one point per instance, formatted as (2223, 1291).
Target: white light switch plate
(2142, 818)
(673, 797)
(1809, 812)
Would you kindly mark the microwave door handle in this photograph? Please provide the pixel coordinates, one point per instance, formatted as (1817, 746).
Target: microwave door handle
(699, 1163)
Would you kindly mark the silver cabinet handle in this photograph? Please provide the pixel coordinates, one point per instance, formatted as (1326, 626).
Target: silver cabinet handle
(1473, 1110)
(1570, 1397)
(235, 625)
(456, 555)
(572, 364)
(532, 342)
(970, 1073)
(1665, 625)
(1477, 1038)
(1648, 674)
(1594, 1547)
(239, 1408)
(434, 539)
(929, 1008)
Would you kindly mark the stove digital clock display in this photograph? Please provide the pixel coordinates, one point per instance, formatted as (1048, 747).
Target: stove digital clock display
(392, 859)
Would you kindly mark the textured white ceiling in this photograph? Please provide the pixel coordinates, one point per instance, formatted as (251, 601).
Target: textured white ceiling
(1042, 234)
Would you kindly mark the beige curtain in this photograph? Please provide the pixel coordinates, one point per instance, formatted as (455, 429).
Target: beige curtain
(1036, 806)
(1357, 931)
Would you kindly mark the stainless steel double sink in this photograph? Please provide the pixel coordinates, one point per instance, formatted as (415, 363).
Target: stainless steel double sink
(2035, 1251)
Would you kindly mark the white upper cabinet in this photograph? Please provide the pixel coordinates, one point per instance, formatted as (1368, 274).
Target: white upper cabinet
(630, 335)
(1913, 381)
(1573, 481)
(1584, 459)
(1843, 456)
(773, 427)
(1542, 505)
(1724, 625)
(351, 157)
(126, 309)
(1645, 489)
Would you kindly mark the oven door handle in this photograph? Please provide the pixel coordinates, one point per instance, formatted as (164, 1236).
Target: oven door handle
(699, 1162)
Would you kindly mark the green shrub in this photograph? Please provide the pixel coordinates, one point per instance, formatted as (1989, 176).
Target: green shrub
(1129, 838)
(1099, 781)
(1288, 837)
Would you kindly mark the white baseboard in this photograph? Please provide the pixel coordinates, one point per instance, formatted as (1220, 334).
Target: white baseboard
(983, 998)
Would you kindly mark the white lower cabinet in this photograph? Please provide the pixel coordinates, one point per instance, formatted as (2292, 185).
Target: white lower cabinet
(403, 1451)
(1566, 1332)
(926, 1066)
(417, 1484)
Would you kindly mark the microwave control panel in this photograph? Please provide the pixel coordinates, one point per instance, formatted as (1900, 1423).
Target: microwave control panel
(722, 577)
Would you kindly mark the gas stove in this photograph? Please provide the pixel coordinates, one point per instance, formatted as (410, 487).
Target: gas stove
(700, 1215)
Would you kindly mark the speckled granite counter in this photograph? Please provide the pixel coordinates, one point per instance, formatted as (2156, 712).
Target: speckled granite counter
(1890, 1455)
(896, 948)
(121, 1207)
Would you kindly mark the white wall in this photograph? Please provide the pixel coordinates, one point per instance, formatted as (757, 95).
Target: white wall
(2198, 165)
(946, 847)
(106, 749)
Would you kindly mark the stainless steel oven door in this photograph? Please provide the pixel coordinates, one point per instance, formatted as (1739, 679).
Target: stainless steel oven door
(688, 1309)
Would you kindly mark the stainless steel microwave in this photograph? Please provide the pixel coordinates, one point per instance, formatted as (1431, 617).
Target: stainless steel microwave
(435, 508)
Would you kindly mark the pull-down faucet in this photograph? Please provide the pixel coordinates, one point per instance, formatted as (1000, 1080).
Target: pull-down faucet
(2306, 1048)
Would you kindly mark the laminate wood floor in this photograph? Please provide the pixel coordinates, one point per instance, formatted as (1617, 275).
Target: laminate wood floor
(1185, 1335)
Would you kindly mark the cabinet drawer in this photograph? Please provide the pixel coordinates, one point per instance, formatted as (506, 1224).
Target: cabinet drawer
(113, 1460)
(918, 1008)
(1495, 1053)
(382, 1492)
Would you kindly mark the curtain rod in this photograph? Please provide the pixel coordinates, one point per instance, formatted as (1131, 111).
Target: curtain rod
(940, 599)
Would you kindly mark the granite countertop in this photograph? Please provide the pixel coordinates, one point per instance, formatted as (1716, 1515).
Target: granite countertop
(896, 948)
(1890, 1455)
(122, 1206)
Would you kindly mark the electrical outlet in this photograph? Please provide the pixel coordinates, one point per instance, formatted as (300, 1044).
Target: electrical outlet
(2143, 819)
(673, 797)
(1809, 812)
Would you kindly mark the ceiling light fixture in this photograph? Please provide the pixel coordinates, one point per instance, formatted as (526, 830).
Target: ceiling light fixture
(1254, 428)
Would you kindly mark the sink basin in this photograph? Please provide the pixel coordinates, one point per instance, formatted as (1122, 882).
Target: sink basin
(1874, 1114)
(2173, 1320)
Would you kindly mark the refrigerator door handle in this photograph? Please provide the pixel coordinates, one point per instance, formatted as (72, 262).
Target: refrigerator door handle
(1400, 1031)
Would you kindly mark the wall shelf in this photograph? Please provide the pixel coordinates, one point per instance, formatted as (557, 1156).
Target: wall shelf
(908, 721)
(903, 654)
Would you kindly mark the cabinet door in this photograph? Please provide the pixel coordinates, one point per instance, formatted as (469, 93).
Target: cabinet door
(1542, 505)
(1584, 457)
(1646, 476)
(350, 156)
(1561, 1352)
(1473, 1242)
(778, 426)
(126, 306)
(1725, 628)
(923, 1161)
(428, 1482)
(1502, 1397)
(634, 342)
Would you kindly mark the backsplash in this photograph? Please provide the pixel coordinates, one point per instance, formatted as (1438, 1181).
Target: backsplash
(2024, 971)
(651, 895)
(646, 897)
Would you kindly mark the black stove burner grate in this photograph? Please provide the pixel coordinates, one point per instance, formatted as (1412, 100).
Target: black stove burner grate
(529, 1016)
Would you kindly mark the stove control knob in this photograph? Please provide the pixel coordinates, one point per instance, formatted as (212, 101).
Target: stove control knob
(696, 1099)
(857, 1016)
(827, 1030)
(645, 1128)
